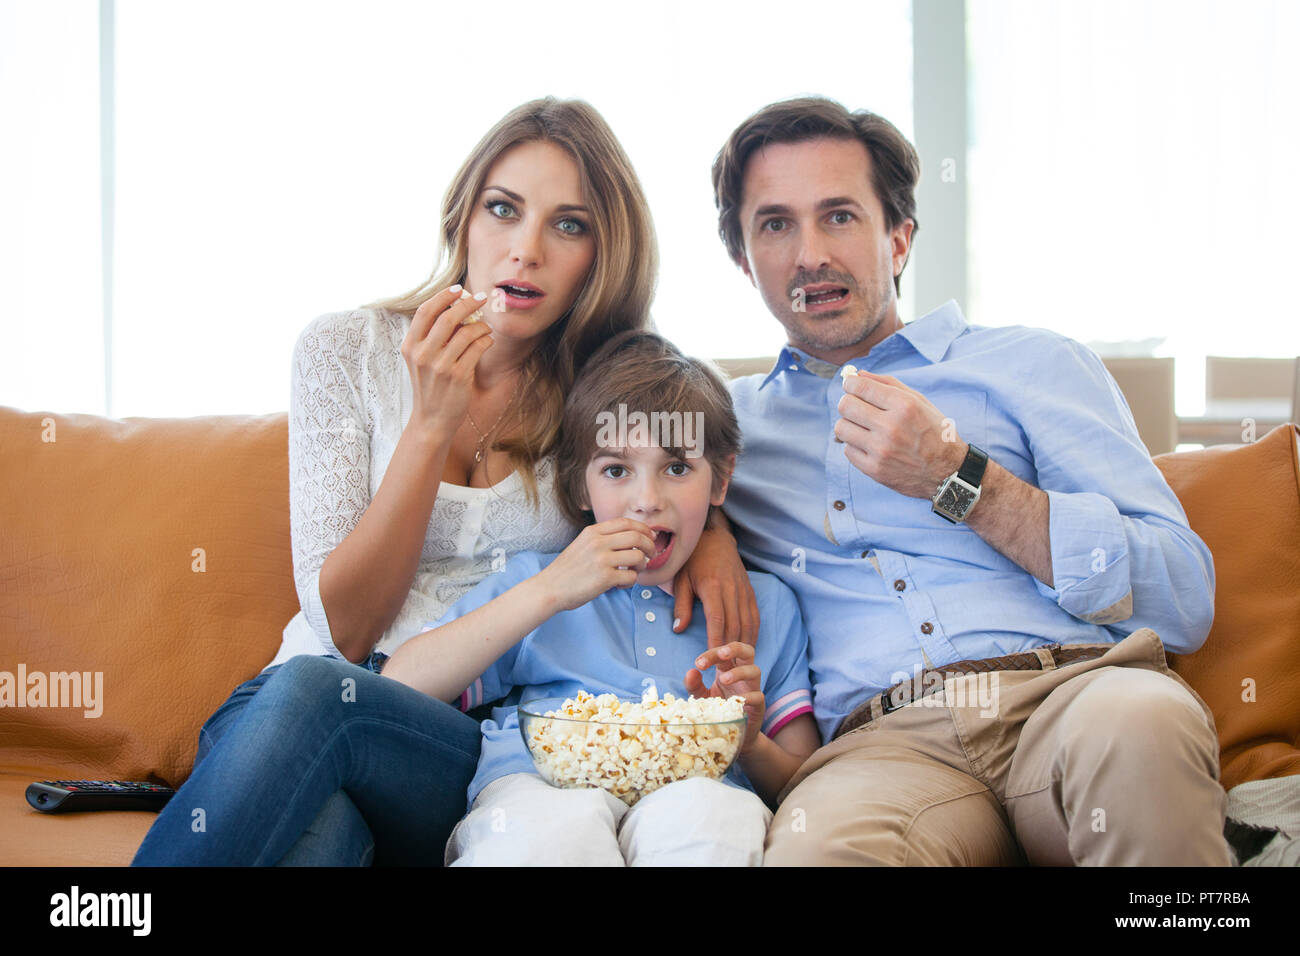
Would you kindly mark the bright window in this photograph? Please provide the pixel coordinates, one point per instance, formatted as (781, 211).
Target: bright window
(51, 318)
(275, 161)
(1132, 174)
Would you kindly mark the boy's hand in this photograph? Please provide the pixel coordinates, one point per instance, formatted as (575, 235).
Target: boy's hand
(603, 556)
(737, 674)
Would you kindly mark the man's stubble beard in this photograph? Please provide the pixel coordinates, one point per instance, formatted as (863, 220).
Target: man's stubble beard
(831, 333)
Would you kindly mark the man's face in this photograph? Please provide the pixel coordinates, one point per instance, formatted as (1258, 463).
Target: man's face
(811, 221)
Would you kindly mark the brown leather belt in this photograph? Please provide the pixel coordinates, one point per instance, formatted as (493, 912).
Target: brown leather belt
(914, 688)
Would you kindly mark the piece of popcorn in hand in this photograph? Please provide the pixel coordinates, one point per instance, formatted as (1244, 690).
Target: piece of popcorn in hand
(848, 370)
(475, 316)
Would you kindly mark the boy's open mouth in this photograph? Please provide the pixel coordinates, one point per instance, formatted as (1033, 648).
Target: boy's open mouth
(663, 548)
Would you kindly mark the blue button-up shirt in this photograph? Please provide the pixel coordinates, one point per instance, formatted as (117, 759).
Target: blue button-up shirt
(611, 645)
(887, 586)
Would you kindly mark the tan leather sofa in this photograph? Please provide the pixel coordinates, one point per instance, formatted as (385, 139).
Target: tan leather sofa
(156, 553)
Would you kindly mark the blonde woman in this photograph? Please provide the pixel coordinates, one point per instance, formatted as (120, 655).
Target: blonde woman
(420, 452)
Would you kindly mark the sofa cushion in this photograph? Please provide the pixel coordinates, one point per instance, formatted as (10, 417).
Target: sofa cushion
(1244, 502)
(154, 553)
(31, 838)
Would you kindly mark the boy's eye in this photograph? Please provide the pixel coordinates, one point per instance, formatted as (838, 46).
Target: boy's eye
(686, 469)
(605, 471)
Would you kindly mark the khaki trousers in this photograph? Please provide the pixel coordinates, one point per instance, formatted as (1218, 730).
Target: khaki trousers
(1109, 761)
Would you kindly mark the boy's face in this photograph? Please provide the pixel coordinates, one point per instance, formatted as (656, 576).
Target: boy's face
(648, 483)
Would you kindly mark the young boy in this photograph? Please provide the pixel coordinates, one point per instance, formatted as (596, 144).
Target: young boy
(598, 617)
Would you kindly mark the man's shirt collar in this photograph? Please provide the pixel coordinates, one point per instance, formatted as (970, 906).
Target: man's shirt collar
(930, 335)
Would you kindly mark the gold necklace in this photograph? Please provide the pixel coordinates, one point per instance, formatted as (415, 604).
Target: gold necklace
(478, 449)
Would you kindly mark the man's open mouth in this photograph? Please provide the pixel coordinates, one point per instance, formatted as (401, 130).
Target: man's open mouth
(825, 296)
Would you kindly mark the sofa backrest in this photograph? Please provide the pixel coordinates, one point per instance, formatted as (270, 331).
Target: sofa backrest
(154, 553)
(1244, 502)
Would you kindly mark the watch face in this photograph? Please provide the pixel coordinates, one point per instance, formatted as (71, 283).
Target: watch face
(955, 500)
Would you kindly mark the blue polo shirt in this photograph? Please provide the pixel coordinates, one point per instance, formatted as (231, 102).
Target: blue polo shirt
(887, 586)
(610, 645)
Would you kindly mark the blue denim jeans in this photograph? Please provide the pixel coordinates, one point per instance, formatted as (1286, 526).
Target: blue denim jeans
(320, 762)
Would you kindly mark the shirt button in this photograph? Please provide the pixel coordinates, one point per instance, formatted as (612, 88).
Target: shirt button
(650, 615)
(927, 627)
(901, 585)
(839, 506)
(646, 594)
(649, 652)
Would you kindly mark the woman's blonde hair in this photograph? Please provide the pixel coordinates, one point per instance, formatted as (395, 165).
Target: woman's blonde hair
(620, 286)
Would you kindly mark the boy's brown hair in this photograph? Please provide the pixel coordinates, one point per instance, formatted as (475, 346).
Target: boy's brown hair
(643, 372)
(895, 166)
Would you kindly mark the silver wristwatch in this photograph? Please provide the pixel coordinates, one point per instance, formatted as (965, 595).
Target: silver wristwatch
(958, 492)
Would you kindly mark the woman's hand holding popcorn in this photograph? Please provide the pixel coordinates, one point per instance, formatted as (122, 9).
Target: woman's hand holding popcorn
(737, 676)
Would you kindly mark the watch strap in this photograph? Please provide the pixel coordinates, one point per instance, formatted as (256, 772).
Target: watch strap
(972, 469)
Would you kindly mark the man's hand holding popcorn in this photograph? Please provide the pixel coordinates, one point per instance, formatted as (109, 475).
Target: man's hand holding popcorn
(892, 434)
(737, 676)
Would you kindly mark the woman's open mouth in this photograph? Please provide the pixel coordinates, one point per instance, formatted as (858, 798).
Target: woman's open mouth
(520, 296)
(663, 548)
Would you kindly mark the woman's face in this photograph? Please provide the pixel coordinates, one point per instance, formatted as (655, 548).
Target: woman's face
(530, 241)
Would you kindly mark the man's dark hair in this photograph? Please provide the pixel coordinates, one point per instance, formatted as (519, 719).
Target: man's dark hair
(895, 167)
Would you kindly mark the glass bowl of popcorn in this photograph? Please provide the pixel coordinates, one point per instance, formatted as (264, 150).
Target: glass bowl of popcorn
(631, 747)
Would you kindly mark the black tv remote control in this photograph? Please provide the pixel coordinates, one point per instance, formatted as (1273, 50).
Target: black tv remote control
(65, 796)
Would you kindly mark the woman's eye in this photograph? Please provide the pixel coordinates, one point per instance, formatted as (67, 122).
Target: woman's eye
(493, 205)
(572, 227)
(606, 471)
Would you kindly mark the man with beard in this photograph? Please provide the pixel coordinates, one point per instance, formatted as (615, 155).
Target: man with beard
(989, 564)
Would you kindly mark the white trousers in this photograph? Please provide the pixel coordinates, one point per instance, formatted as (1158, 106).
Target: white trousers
(521, 820)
